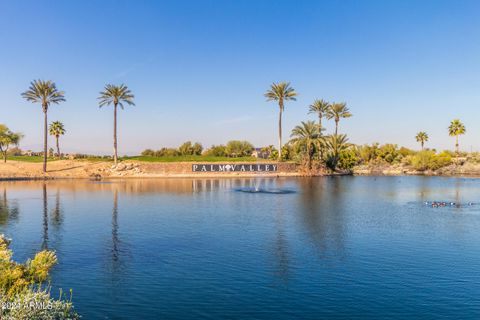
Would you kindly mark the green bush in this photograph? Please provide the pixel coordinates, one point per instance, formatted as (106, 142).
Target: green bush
(167, 152)
(347, 159)
(236, 148)
(148, 152)
(216, 151)
(17, 282)
(38, 305)
(389, 153)
(429, 160)
(189, 149)
(367, 153)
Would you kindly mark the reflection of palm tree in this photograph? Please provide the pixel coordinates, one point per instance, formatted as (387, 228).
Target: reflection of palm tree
(314, 215)
(115, 253)
(7, 211)
(57, 213)
(281, 247)
(45, 218)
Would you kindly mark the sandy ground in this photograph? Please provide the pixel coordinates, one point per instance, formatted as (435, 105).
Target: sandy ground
(80, 169)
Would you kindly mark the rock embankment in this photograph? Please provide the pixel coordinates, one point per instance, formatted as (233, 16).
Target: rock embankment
(463, 169)
(84, 169)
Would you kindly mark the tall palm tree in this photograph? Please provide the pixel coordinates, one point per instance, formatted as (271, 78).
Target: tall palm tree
(57, 129)
(305, 135)
(422, 137)
(116, 95)
(280, 92)
(456, 129)
(337, 111)
(46, 93)
(320, 107)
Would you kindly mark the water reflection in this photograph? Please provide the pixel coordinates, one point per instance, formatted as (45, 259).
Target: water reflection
(8, 210)
(322, 206)
(281, 245)
(45, 217)
(57, 212)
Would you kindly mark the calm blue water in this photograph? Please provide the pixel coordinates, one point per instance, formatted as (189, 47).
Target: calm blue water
(343, 247)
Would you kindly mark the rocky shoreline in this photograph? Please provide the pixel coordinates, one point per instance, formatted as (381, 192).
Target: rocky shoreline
(81, 169)
(467, 169)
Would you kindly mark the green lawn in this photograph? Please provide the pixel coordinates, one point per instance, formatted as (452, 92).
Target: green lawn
(36, 159)
(28, 158)
(192, 159)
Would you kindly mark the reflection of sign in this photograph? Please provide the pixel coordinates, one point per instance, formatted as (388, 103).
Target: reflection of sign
(237, 167)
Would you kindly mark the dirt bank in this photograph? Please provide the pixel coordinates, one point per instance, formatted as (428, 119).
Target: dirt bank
(82, 169)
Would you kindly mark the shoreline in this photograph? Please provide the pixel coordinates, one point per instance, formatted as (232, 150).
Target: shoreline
(105, 170)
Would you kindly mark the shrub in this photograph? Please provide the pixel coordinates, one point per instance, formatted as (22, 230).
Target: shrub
(236, 148)
(389, 153)
(405, 152)
(16, 287)
(216, 151)
(347, 159)
(39, 305)
(188, 149)
(166, 152)
(148, 152)
(367, 153)
(429, 160)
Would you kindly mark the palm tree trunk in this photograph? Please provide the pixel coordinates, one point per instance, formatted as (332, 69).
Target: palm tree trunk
(280, 133)
(45, 139)
(58, 147)
(422, 145)
(336, 127)
(320, 125)
(115, 156)
(456, 144)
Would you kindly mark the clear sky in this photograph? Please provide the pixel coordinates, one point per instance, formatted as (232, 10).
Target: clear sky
(199, 68)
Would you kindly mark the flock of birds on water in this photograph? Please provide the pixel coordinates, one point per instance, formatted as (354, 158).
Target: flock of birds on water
(441, 204)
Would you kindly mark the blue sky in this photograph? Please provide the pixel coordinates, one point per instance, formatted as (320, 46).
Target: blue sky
(199, 68)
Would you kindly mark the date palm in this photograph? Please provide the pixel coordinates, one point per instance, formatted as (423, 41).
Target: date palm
(335, 145)
(45, 93)
(320, 107)
(280, 92)
(422, 137)
(456, 129)
(57, 129)
(306, 135)
(118, 96)
(337, 111)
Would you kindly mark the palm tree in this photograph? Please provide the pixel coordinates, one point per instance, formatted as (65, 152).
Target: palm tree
(305, 135)
(56, 129)
(280, 92)
(337, 111)
(46, 93)
(319, 107)
(335, 145)
(456, 129)
(116, 95)
(422, 137)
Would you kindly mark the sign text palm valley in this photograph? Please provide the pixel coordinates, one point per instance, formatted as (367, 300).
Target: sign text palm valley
(238, 167)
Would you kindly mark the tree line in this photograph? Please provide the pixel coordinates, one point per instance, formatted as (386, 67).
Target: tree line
(308, 143)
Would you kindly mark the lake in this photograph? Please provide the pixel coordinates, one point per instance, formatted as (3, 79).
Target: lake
(327, 247)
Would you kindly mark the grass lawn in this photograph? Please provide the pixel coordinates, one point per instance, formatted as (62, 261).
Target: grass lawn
(28, 158)
(192, 159)
(37, 159)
